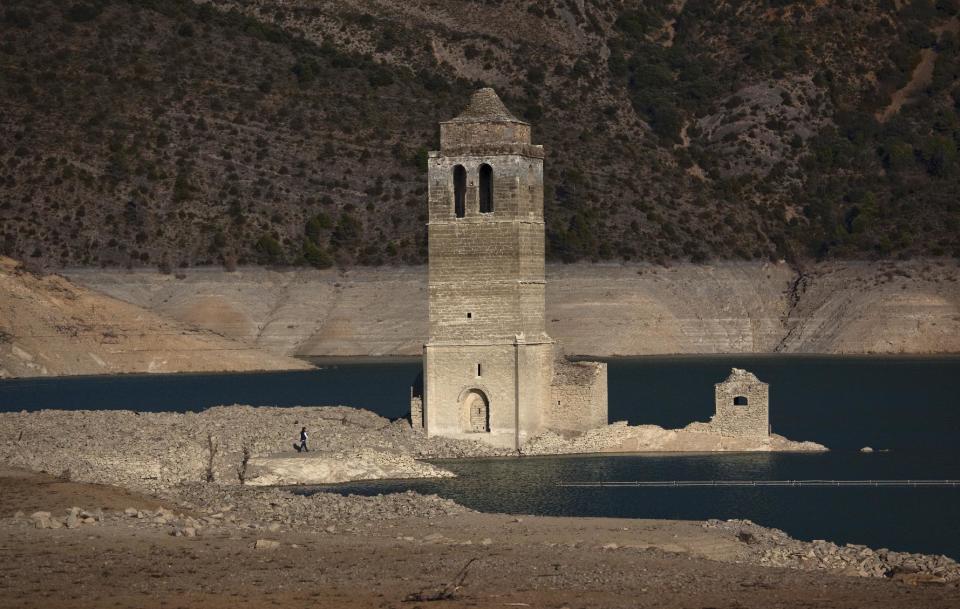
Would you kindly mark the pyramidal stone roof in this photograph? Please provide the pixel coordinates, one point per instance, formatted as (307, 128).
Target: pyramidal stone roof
(485, 105)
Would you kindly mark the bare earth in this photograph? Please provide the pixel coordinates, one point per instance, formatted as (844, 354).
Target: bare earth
(158, 450)
(52, 327)
(124, 561)
(592, 309)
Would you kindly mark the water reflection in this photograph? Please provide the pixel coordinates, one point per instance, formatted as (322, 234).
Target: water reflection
(914, 519)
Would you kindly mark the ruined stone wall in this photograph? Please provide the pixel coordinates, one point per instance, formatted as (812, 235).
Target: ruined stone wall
(416, 413)
(578, 397)
(749, 420)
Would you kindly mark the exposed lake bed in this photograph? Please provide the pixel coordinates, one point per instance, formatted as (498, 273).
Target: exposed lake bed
(905, 405)
(855, 402)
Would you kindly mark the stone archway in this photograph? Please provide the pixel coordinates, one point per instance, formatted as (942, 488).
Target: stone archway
(476, 412)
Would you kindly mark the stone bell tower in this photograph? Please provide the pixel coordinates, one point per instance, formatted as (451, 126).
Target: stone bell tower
(487, 363)
(490, 372)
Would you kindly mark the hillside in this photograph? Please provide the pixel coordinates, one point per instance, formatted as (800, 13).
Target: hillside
(592, 309)
(168, 133)
(51, 327)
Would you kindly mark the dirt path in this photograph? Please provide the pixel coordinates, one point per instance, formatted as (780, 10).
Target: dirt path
(528, 561)
(920, 78)
(922, 74)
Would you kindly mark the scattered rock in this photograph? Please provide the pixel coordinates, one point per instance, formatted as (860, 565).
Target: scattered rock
(266, 544)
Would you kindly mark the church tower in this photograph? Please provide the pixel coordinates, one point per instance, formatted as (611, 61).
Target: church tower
(490, 372)
(488, 360)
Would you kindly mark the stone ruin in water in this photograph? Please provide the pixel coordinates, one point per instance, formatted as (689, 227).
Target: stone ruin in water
(742, 406)
(491, 372)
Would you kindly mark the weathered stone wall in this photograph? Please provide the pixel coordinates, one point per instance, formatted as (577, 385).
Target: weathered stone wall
(451, 373)
(742, 420)
(486, 273)
(416, 413)
(578, 397)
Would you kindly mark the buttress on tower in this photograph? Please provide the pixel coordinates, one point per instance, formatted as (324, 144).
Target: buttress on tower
(491, 372)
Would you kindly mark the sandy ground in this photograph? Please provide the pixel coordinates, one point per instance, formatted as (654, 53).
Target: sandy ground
(50, 326)
(516, 562)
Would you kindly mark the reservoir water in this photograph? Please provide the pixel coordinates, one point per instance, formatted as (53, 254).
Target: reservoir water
(909, 406)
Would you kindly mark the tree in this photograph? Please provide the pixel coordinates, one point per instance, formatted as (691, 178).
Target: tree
(269, 250)
(316, 256)
(347, 232)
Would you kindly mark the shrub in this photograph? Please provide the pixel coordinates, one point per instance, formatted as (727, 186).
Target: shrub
(316, 256)
(347, 232)
(316, 225)
(269, 250)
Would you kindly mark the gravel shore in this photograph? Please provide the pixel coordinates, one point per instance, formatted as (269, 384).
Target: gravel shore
(193, 464)
(71, 544)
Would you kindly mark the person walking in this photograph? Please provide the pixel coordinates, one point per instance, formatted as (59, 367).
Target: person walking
(303, 441)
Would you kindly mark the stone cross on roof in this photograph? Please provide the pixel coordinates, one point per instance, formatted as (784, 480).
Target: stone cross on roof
(485, 105)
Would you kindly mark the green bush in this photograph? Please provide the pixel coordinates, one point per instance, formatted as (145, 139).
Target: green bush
(316, 256)
(269, 250)
(316, 226)
(347, 233)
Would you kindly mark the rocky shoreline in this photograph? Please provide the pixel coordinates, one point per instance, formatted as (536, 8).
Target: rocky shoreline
(263, 515)
(154, 451)
(620, 437)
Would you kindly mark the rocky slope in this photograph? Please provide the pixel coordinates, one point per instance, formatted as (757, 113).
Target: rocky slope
(51, 327)
(611, 309)
(170, 132)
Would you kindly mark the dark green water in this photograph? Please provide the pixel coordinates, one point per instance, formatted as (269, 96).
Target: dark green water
(908, 405)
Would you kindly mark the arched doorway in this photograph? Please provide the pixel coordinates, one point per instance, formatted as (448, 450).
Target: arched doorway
(476, 412)
(740, 400)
